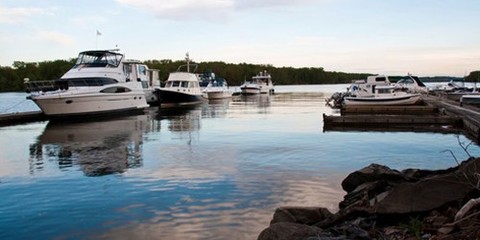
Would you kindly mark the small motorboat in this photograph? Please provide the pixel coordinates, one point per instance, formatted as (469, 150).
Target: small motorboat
(259, 84)
(376, 90)
(384, 95)
(100, 82)
(217, 88)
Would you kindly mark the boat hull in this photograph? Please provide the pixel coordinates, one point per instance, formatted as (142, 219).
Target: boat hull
(396, 100)
(250, 90)
(472, 99)
(167, 96)
(85, 104)
(218, 94)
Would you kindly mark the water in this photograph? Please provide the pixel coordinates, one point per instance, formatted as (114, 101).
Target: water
(216, 171)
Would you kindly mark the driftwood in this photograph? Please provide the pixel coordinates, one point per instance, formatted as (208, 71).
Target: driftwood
(472, 203)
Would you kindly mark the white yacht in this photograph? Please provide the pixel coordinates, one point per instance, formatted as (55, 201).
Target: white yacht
(181, 88)
(217, 88)
(377, 90)
(259, 84)
(100, 82)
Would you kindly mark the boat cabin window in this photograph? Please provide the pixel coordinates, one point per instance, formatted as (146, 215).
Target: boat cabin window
(85, 82)
(380, 79)
(173, 84)
(185, 84)
(384, 90)
(142, 70)
(98, 59)
(115, 90)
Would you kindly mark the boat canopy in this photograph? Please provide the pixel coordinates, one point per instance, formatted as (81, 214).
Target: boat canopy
(97, 58)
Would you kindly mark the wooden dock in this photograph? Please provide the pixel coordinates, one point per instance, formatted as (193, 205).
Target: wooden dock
(23, 117)
(436, 114)
(390, 110)
(470, 115)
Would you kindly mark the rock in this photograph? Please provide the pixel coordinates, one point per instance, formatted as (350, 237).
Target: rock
(379, 201)
(303, 215)
(432, 192)
(289, 231)
(372, 173)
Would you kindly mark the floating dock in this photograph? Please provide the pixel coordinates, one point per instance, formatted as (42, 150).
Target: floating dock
(22, 117)
(436, 114)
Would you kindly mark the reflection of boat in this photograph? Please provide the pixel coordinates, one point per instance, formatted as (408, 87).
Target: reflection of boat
(217, 88)
(100, 82)
(182, 88)
(216, 108)
(261, 101)
(98, 147)
(376, 90)
(259, 84)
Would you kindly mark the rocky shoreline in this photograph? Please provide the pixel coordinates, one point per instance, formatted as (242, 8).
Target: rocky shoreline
(382, 203)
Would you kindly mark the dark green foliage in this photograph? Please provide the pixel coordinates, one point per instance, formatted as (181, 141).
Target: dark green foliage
(473, 77)
(11, 78)
(236, 74)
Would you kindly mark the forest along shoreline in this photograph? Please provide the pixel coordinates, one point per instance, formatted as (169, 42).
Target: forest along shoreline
(383, 203)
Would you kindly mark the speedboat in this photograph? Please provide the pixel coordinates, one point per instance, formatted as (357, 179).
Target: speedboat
(181, 88)
(377, 90)
(384, 95)
(100, 82)
(259, 84)
(217, 88)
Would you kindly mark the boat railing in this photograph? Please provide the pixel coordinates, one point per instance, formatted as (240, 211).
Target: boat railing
(187, 67)
(41, 86)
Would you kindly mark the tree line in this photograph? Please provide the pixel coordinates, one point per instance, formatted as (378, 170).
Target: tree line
(12, 78)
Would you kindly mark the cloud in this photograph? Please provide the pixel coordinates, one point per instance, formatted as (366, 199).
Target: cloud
(181, 10)
(13, 15)
(56, 38)
(209, 10)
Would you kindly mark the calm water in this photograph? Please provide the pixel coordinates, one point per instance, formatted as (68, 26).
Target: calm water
(216, 171)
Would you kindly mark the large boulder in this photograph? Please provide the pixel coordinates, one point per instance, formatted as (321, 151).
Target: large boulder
(289, 231)
(303, 215)
(432, 192)
(372, 173)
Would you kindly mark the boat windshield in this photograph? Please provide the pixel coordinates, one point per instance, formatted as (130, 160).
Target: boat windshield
(98, 59)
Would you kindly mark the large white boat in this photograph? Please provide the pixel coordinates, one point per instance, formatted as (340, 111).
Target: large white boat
(217, 88)
(377, 90)
(100, 82)
(259, 84)
(181, 88)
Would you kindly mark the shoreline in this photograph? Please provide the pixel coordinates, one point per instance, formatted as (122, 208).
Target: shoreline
(382, 203)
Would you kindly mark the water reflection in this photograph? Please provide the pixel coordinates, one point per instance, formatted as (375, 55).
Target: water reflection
(216, 108)
(262, 102)
(98, 147)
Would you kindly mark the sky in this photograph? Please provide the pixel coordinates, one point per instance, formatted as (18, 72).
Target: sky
(394, 37)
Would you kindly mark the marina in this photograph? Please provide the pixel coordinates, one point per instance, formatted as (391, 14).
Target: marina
(204, 171)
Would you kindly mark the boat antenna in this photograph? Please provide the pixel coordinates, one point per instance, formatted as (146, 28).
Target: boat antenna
(187, 58)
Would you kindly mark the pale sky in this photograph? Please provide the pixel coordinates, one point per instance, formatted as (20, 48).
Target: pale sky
(422, 37)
